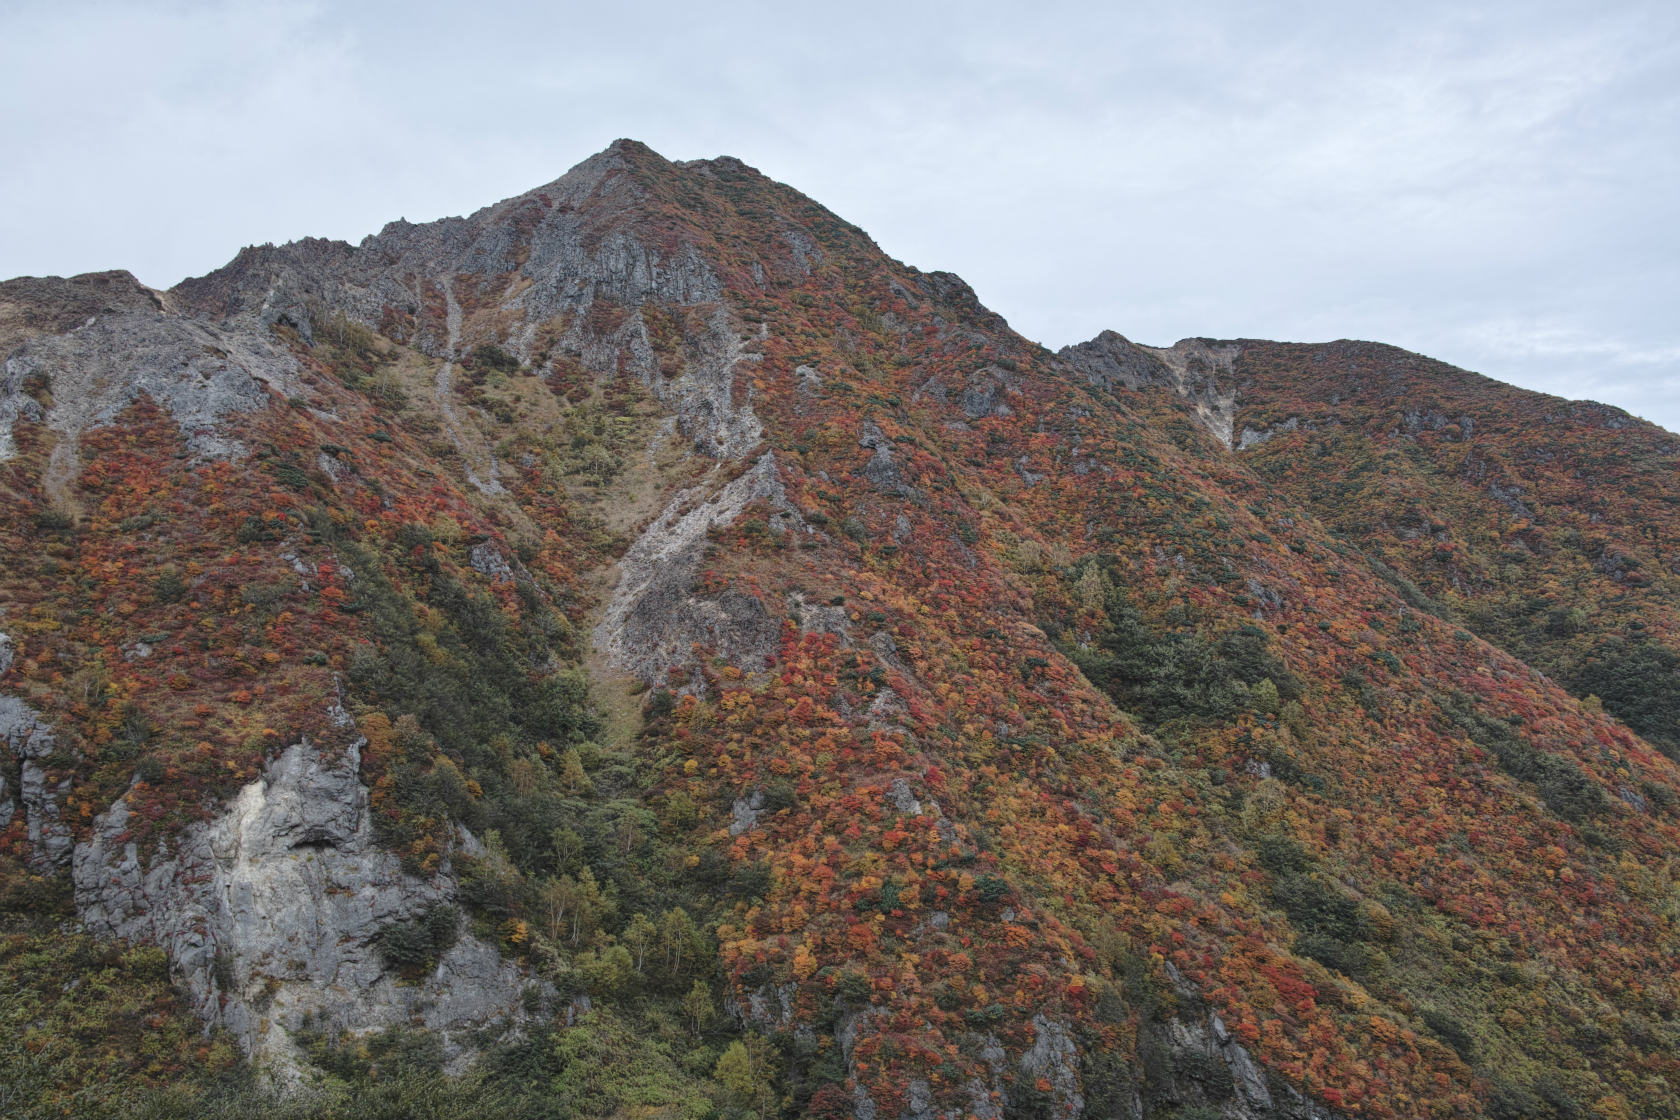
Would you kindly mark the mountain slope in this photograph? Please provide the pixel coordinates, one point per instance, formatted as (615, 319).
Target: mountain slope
(644, 590)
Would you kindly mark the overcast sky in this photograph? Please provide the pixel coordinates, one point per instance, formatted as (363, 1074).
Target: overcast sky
(1493, 184)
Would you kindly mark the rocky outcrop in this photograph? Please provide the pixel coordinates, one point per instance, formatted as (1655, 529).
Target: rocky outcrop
(1254, 437)
(37, 305)
(199, 374)
(1197, 370)
(1111, 359)
(1053, 1059)
(654, 619)
(881, 470)
(1203, 375)
(1189, 1060)
(553, 250)
(30, 742)
(272, 915)
(702, 397)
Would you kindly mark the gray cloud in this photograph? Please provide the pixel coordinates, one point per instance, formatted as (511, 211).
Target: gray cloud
(1494, 185)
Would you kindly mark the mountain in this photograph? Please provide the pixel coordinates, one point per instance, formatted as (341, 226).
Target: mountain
(639, 648)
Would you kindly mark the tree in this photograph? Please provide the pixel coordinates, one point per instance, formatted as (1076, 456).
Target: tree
(573, 778)
(640, 936)
(697, 1005)
(747, 1073)
(569, 908)
(678, 941)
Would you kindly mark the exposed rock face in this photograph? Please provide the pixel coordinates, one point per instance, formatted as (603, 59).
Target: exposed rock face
(654, 619)
(1254, 437)
(1111, 359)
(271, 913)
(1203, 375)
(881, 471)
(745, 811)
(197, 373)
(1190, 1060)
(703, 396)
(36, 305)
(1200, 373)
(30, 741)
(1054, 1058)
(541, 253)
(902, 799)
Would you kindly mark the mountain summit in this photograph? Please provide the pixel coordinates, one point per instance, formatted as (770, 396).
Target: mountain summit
(641, 648)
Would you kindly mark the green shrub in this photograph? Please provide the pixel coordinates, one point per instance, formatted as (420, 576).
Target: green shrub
(414, 946)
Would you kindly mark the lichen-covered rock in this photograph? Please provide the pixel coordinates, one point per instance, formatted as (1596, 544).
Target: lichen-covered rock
(272, 914)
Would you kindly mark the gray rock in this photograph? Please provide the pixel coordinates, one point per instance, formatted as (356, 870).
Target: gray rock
(1055, 1058)
(486, 560)
(15, 405)
(881, 470)
(902, 800)
(653, 621)
(983, 395)
(1204, 1065)
(886, 648)
(815, 618)
(271, 915)
(1200, 373)
(918, 1100)
(745, 811)
(807, 387)
(768, 1008)
(1267, 598)
(980, 1101)
(200, 374)
(26, 734)
(1253, 437)
(6, 653)
(888, 712)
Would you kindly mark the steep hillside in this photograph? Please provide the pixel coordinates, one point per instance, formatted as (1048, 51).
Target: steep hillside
(641, 618)
(1549, 526)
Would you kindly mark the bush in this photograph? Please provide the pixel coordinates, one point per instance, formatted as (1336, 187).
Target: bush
(1450, 1031)
(1639, 683)
(1178, 673)
(414, 946)
(1566, 789)
(487, 355)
